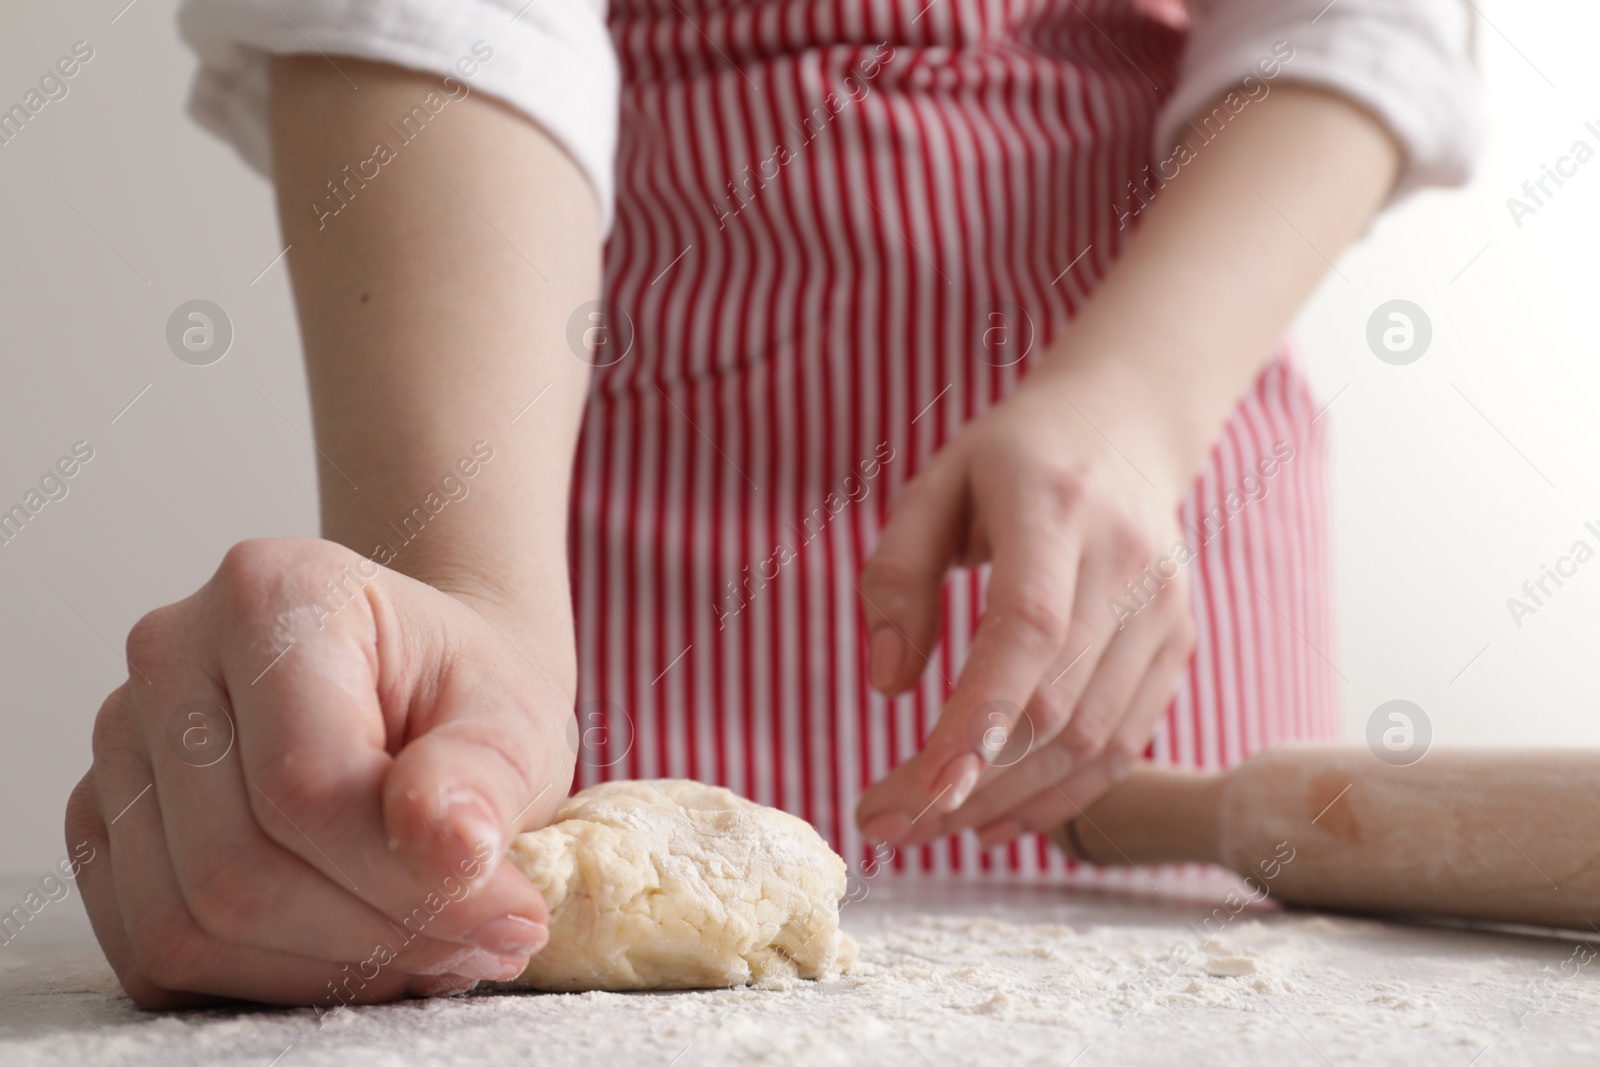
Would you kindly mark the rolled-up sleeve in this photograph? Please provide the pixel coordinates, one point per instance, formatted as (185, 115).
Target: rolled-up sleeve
(1408, 62)
(552, 60)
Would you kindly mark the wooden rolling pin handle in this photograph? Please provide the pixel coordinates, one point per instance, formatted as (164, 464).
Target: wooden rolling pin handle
(1155, 815)
(1505, 836)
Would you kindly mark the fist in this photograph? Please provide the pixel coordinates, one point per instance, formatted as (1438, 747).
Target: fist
(304, 791)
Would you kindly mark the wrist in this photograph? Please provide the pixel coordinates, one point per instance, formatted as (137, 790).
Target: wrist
(538, 625)
(481, 545)
(522, 592)
(526, 602)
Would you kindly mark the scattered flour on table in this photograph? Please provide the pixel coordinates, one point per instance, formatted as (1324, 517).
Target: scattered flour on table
(1058, 983)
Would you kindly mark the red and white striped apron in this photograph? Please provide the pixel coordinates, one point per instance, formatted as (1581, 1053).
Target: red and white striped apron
(821, 203)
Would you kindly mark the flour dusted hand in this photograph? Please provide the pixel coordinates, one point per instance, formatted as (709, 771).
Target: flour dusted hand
(678, 885)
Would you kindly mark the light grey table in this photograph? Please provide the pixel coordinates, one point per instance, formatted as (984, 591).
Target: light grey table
(950, 974)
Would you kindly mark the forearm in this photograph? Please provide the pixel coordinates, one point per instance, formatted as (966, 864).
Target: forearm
(433, 308)
(1224, 256)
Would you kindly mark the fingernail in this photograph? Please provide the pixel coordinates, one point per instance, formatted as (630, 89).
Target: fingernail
(498, 968)
(476, 963)
(439, 985)
(886, 656)
(1119, 767)
(510, 935)
(890, 828)
(962, 777)
(468, 814)
(509, 969)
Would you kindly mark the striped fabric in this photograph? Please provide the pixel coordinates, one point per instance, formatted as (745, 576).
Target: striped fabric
(839, 222)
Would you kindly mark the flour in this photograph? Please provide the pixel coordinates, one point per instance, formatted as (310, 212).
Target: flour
(948, 974)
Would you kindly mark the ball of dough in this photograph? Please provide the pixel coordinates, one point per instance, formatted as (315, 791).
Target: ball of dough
(679, 885)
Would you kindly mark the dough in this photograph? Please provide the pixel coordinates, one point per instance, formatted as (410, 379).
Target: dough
(678, 885)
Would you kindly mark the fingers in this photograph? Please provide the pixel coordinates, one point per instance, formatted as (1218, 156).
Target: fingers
(237, 883)
(484, 767)
(1047, 640)
(1153, 696)
(1060, 802)
(247, 854)
(1064, 799)
(314, 742)
(332, 817)
(1108, 697)
(167, 950)
(900, 584)
(1000, 832)
(1116, 741)
(1036, 753)
(892, 809)
(1032, 585)
(237, 924)
(1004, 791)
(87, 840)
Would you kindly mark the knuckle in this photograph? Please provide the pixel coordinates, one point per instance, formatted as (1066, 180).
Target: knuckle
(1124, 749)
(111, 730)
(152, 640)
(1036, 611)
(226, 900)
(1082, 740)
(258, 576)
(250, 557)
(249, 575)
(83, 821)
(1055, 762)
(1064, 489)
(1050, 710)
(1176, 608)
(1131, 547)
(515, 760)
(168, 946)
(1184, 639)
(889, 573)
(287, 802)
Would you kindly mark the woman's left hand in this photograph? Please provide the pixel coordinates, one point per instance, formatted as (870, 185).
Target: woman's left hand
(1067, 509)
(1070, 667)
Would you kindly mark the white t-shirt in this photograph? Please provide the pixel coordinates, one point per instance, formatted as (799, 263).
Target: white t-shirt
(1409, 62)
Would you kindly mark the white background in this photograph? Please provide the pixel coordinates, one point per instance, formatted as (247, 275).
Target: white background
(1455, 477)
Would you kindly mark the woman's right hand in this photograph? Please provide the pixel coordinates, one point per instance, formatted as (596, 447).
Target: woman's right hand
(339, 757)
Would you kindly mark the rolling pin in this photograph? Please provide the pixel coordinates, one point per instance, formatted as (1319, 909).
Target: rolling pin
(1494, 835)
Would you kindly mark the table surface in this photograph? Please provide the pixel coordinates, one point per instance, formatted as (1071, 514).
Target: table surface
(950, 973)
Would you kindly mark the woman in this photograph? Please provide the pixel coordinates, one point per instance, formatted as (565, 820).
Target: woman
(890, 288)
